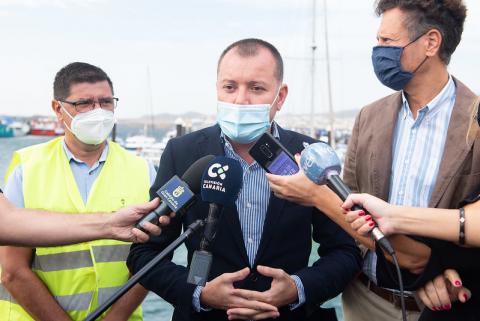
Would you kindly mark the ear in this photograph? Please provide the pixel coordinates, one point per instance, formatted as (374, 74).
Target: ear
(434, 41)
(282, 96)
(57, 109)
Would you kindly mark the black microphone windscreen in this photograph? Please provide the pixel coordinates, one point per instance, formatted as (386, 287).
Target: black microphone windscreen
(221, 181)
(193, 175)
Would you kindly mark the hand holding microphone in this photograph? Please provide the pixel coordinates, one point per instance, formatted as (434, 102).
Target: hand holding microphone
(382, 212)
(177, 194)
(322, 165)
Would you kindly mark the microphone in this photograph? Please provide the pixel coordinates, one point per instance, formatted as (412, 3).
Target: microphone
(322, 166)
(177, 194)
(221, 183)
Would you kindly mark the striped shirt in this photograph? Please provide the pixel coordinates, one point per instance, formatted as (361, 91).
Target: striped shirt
(417, 151)
(252, 205)
(252, 201)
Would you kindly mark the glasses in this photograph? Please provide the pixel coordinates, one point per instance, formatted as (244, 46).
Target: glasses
(82, 106)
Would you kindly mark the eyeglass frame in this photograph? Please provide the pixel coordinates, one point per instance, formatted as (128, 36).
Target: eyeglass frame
(92, 102)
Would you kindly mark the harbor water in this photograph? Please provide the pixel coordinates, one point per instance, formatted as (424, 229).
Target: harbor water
(155, 308)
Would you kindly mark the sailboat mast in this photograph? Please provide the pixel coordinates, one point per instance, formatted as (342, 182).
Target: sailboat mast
(329, 84)
(150, 101)
(314, 47)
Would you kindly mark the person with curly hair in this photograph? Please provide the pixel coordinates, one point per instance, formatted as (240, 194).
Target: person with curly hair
(408, 149)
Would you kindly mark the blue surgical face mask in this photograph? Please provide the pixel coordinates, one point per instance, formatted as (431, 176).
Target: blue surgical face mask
(387, 65)
(244, 123)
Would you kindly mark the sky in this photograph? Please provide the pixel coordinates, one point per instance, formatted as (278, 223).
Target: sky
(179, 43)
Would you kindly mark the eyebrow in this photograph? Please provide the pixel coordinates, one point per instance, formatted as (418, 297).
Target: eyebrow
(250, 83)
(387, 37)
(91, 99)
(228, 80)
(257, 82)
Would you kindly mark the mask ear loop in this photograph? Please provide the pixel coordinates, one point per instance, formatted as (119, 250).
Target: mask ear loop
(65, 110)
(426, 57)
(408, 44)
(277, 95)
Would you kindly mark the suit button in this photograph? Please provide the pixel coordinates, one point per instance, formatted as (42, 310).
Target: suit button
(253, 277)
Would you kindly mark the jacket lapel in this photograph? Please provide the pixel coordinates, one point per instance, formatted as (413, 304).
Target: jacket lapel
(381, 157)
(210, 143)
(275, 205)
(456, 146)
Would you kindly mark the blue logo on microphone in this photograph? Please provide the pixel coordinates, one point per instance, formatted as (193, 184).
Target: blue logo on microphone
(175, 193)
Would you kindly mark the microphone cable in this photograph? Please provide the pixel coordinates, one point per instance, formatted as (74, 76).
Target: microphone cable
(390, 250)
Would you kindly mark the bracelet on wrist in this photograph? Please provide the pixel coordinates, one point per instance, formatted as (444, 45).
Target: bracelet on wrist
(461, 231)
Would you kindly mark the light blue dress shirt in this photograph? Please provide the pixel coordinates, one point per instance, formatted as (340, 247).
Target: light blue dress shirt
(252, 205)
(417, 150)
(84, 175)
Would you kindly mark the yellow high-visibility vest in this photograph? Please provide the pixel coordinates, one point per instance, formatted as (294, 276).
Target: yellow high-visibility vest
(80, 276)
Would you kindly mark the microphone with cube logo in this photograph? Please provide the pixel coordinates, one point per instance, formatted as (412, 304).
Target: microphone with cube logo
(221, 183)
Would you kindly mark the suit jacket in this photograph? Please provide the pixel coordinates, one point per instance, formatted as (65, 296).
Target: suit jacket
(368, 167)
(285, 243)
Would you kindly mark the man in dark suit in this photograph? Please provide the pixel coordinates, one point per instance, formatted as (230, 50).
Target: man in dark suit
(262, 245)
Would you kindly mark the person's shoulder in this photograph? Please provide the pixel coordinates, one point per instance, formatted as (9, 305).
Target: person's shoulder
(297, 137)
(295, 142)
(39, 147)
(36, 155)
(463, 90)
(196, 136)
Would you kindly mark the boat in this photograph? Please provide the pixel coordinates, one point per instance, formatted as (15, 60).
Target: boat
(147, 147)
(19, 128)
(12, 128)
(46, 127)
(138, 142)
(5, 131)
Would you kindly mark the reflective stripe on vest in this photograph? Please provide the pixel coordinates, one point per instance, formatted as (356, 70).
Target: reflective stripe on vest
(62, 261)
(80, 259)
(79, 276)
(111, 253)
(105, 293)
(75, 302)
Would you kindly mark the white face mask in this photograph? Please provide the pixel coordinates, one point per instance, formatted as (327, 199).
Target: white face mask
(92, 127)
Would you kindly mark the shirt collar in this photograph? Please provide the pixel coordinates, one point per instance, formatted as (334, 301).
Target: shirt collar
(445, 94)
(70, 156)
(229, 151)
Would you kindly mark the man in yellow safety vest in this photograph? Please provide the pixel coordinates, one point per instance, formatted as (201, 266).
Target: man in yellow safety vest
(81, 172)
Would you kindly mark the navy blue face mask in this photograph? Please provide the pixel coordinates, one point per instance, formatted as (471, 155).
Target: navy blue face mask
(387, 65)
